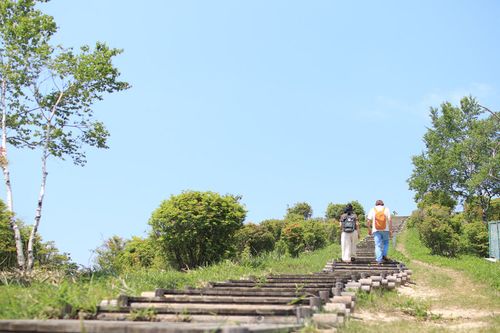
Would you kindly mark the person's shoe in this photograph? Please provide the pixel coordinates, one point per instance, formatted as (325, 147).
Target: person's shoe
(384, 258)
(353, 259)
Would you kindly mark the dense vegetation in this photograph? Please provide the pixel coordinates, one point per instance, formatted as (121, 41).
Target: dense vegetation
(460, 164)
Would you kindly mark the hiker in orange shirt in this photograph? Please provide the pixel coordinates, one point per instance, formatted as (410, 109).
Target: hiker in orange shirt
(379, 223)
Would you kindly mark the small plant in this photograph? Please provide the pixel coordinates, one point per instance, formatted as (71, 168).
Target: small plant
(309, 327)
(184, 316)
(147, 314)
(418, 310)
(297, 300)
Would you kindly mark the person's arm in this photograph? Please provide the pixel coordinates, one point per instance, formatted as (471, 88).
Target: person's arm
(390, 223)
(369, 218)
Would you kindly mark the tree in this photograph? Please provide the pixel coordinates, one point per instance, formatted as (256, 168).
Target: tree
(109, 255)
(197, 228)
(461, 157)
(334, 211)
(302, 209)
(47, 96)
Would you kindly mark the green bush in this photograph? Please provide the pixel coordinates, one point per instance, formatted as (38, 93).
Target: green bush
(274, 227)
(439, 231)
(7, 244)
(46, 254)
(359, 210)
(109, 255)
(141, 253)
(302, 209)
(301, 236)
(334, 211)
(332, 228)
(197, 228)
(475, 239)
(255, 238)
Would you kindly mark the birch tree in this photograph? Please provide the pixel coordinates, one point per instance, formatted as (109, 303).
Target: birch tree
(47, 97)
(461, 158)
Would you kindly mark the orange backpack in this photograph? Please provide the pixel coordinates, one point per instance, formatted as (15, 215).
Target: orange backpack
(380, 219)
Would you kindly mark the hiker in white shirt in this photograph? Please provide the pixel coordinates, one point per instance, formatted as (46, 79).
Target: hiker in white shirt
(379, 223)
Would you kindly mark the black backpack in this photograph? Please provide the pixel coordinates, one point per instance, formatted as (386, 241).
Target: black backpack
(349, 223)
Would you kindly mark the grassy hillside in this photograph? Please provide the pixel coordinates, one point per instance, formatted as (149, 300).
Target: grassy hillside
(46, 298)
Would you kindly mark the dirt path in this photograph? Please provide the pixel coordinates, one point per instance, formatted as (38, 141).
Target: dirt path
(451, 300)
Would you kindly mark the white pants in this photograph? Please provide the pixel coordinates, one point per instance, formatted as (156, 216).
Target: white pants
(348, 242)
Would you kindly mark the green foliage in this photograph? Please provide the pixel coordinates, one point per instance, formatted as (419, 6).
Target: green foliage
(48, 92)
(334, 211)
(254, 237)
(475, 239)
(274, 227)
(300, 236)
(439, 231)
(494, 211)
(437, 198)
(197, 228)
(358, 209)
(302, 209)
(460, 159)
(7, 244)
(109, 255)
(478, 269)
(147, 314)
(141, 253)
(332, 229)
(85, 291)
(47, 256)
(118, 255)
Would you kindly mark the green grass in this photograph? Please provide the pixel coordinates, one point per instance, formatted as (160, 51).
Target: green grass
(45, 300)
(478, 269)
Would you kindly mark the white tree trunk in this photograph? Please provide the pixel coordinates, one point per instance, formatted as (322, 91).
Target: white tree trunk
(6, 173)
(38, 214)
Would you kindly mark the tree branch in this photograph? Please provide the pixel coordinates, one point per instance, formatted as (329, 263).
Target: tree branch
(495, 114)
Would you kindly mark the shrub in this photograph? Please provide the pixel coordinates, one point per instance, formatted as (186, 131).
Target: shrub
(315, 235)
(475, 239)
(254, 237)
(302, 209)
(334, 211)
(197, 228)
(332, 228)
(439, 231)
(274, 227)
(7, 244)
(109, 255)
(359, 210)
(301, 236)
(292, 235)
(141, 253)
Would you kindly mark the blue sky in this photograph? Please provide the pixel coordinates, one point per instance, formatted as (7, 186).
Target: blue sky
(277, 101)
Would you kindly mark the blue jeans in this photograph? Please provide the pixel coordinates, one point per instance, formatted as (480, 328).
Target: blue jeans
(381, 244)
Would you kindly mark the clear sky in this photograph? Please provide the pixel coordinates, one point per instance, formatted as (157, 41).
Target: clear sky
(277, 101)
